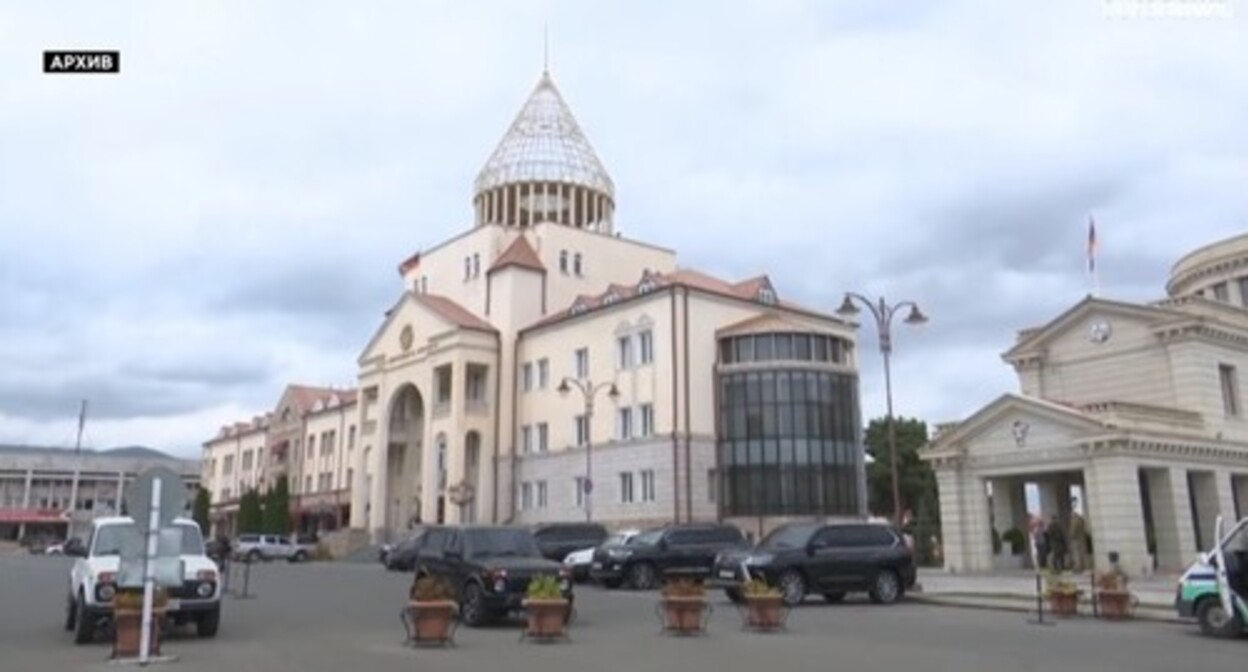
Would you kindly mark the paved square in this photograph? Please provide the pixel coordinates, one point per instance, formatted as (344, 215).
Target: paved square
(336, 616)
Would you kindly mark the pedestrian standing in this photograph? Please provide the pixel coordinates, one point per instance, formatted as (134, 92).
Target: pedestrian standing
(1057, 544)
(1078, 542)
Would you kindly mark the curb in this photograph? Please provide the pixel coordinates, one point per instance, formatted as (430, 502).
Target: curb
(1013, 603)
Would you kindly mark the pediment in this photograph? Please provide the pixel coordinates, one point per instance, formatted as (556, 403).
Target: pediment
(408, 325)
(1076, 326)
(1013, 423)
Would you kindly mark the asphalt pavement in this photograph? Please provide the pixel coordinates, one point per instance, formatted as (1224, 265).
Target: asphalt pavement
(333, 616)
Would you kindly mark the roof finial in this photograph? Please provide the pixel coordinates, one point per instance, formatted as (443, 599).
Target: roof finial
(545, 49)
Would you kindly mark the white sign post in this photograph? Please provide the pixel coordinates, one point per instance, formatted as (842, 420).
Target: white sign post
(155, 499)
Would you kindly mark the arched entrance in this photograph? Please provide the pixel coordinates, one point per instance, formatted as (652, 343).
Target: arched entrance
(404, 453)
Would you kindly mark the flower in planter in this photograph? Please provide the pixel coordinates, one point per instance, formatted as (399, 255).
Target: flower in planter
(686, 588)
(759, 588)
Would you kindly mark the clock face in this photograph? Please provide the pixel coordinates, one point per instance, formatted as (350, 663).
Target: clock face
(1100, 331)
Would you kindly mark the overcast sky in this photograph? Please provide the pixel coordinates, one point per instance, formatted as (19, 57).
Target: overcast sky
(179, 241)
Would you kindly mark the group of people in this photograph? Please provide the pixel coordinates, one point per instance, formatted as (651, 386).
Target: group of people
(1058, 547)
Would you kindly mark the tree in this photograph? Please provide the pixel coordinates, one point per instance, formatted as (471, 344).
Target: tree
(250, 515)
(200, 510)
(917, 482)
(277, 508)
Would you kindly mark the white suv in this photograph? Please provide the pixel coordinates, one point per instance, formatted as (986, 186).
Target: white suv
(257, 547)
(93, 581)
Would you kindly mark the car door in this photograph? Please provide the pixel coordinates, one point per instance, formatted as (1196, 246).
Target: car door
(430, 559)
(680, 553)
(830, 561)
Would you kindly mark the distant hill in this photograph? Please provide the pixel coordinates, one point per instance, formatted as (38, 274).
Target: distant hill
(133, 452)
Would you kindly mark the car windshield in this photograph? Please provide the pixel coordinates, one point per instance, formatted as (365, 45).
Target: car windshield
(789, 536)
(109, 539)
(620, 539)
(499, 543)
(647, 538)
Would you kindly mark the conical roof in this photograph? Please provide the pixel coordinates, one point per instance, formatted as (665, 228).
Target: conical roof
(544, 144)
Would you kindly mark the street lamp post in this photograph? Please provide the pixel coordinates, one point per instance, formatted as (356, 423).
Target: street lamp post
(588, 390)
(883, 314)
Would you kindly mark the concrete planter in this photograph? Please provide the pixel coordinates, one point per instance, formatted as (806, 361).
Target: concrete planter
(545, 618)
(431, 621)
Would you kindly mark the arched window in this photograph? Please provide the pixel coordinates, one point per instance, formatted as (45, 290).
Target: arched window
(576, 263)
(563, 262)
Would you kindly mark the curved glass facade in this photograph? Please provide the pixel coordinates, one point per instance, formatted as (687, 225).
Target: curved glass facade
(788, 437)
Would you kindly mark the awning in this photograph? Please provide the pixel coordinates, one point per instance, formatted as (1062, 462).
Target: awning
(17, 515)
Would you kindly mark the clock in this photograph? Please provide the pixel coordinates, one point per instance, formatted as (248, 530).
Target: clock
(1100, 331)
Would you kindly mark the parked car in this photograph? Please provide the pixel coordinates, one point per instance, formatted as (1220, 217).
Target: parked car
(676, 551)
(826, 558)
(1214, 589)
(578, 562)
(55, 549)
(488, 567)
(557, 540)
(402, 556)
(257, 547)
(93, 580)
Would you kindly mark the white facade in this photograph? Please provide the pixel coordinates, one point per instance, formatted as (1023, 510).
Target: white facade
(1139, 405)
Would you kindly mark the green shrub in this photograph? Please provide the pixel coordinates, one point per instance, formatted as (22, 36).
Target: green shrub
(545, 587)
(1016, 539)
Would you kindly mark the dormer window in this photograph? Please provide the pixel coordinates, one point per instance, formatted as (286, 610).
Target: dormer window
(767, 296)
(579, 307)
(610, 298)
(646, 286)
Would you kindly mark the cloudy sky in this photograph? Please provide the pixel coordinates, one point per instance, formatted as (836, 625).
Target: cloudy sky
(179, 241)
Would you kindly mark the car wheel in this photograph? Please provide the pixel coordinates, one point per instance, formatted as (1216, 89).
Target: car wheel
(642, 576)
(69, 613)
(1214, 620)
(207, 623)
(792, 588)
(253, 557)
(734, 595)
(887, 588)
(300, 556)
(834, 598)
(612, 584)
(472, 606)
(84, 627)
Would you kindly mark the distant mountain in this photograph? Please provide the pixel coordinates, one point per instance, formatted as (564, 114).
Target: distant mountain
(135, 451)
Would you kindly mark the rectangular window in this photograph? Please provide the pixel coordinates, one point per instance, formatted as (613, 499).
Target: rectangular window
(1243, 291)
(526, 496)
(712, 486)
(350, 484)
(308, 485)
(1220, 292)
(582, 430)
(351, 437)
(444, 384)
(227, 465)
(647, 485)
(626, 487)
(311, 445)
(541, 494)
(582, 363)
(527, 377)
(647, 419)
(475, 387)
(543, 373)
(624, 352)
(1230, 389)
(526, 439)
(247, 460)
(543, 437)
(645, 347)
(624, 424)
(579, 494)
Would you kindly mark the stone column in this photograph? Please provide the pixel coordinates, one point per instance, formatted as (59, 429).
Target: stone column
(379, 502)
(1172, 516)
(966, 537)
(1224, 483)
(1002, 504)
(951, 517)
(1115, 513)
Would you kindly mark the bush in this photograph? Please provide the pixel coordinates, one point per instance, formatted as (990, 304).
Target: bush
(545, 587)
(431, 589)
(683, 588)
(1016, 539)
(759, 588)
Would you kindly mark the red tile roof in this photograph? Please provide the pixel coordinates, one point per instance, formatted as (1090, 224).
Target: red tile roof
(453, 312)
(519, 253)
(409, 263)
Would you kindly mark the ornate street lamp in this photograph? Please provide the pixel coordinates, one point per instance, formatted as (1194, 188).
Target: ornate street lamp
(588, 390)
(883, 314)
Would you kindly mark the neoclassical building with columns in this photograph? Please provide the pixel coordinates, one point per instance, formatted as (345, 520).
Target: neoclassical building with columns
(1138, 408)
(541, 367)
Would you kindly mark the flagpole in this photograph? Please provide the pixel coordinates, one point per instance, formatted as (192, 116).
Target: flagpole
(1093, 271)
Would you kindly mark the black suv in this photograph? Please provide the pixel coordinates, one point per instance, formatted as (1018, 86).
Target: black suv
(557, 540)
(674, 551)
(826, 558)
(489, 568)
(402, 557)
